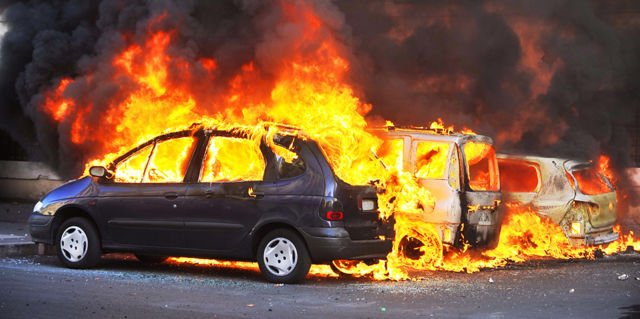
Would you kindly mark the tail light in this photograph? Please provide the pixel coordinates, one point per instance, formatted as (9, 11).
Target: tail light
(331, 215)
(332, 210)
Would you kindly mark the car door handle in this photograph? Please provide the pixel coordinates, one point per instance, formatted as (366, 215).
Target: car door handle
(254, 194)
(170, 195)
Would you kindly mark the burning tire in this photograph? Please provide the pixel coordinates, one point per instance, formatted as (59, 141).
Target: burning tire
(283, 257)
(151, 259)
(420, 250)
(78, 244)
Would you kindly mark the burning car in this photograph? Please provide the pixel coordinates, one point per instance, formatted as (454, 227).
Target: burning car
(264, 194)
(461, 173)
(571, 193)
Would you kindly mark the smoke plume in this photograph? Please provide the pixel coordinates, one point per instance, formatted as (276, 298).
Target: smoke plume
(549, 77)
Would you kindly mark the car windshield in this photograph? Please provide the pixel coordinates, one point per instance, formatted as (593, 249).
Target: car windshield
(482, 166)
(591, 182)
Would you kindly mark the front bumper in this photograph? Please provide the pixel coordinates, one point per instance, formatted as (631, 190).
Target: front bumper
(326, 244)
(40, 228)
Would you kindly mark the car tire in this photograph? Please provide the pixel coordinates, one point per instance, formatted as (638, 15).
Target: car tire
(283, 257)
(151, 259)
(78, 244)
(412, 250)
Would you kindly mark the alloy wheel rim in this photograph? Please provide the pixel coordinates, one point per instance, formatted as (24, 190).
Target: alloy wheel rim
(280, 256)
(74, 243)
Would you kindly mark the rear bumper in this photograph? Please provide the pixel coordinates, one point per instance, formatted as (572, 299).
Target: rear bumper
(594, 239)
(40, 228)
(326, 244)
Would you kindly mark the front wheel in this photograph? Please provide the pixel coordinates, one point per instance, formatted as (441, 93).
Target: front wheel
(283, 257)
(78, 243)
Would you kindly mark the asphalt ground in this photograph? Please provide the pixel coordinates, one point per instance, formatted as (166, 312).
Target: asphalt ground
(122, 287)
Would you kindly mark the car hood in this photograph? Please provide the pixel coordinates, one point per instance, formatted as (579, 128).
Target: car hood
(82, 187)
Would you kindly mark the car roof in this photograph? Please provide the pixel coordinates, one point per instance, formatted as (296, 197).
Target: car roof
(423, 133)
(569, 164)
(223, 130)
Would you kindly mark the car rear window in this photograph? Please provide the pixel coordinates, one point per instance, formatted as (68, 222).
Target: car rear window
(288, 163)
(518, 177)
(431, 159)
(232, 159)
(591, 182)
(482, 165)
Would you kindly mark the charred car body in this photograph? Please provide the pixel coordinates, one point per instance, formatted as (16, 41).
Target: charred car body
(573, 194)
(461, 172)
(242, 194)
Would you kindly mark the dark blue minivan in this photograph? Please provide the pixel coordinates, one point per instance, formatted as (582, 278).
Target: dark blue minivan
(267, 195)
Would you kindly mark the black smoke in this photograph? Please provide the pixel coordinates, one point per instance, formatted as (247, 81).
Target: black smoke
(51, 40)
(414, 61)
(461, 61)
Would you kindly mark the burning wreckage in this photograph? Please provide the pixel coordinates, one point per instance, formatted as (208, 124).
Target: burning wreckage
(571, 193)
(186, 194)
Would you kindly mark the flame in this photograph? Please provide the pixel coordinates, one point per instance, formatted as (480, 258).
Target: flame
(483, 166)
(605, 169)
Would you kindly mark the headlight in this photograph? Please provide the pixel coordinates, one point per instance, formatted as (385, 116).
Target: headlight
(38, 207)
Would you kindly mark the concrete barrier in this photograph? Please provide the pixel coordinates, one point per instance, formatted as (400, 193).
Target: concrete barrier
(26, 181)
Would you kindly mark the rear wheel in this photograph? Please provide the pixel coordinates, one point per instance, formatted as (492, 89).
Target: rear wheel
(283, 257)
(421, 250)
(151, 259)
(78, 243)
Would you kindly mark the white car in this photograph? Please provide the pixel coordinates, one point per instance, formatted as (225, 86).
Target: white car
(571, 193)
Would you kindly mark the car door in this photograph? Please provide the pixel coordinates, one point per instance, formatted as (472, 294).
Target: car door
(431, 161)
(142, 205)
(229, 196)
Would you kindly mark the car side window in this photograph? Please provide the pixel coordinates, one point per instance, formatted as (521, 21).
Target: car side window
(519, 177)
(169, 160)
(391, 153)
(232, 159)
(131, 169)
(288, 163)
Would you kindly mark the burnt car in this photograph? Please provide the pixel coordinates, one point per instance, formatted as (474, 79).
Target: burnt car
(461, 173)
(267, 195)
(571, 193)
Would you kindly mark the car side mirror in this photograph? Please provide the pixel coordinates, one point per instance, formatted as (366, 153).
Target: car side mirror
(98, 171)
